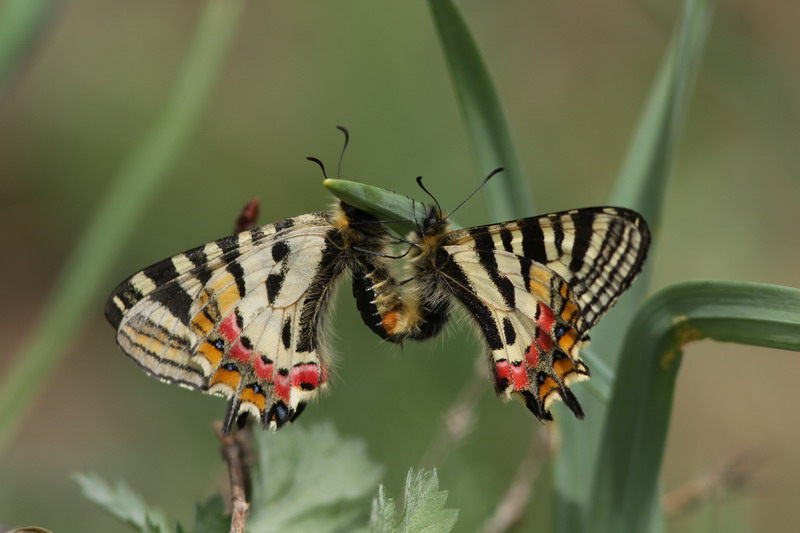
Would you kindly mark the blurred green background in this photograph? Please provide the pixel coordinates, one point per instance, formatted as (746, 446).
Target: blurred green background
(572, 77)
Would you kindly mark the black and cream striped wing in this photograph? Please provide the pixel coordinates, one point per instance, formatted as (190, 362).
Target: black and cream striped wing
(240, 317)
(535, 286)
(597, 251)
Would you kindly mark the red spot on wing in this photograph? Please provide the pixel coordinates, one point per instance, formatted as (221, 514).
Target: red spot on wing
(546, 317)
(282, 386)
(532, 355)
(264, 370)
(229, 328)
(519, 376)
(240, 353)
(306, 376)
(502, 371)
(543, 340)
(323, 378)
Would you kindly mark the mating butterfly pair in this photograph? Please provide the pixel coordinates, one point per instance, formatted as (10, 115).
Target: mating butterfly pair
(243, 317)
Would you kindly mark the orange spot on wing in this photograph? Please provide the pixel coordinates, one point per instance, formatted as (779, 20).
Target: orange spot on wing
(546, 388)
(257, 399)
(231, 378)
(568, 340)
(564, 290)
(211, 353)
(563, 367)
(569, 311)
(201, 324)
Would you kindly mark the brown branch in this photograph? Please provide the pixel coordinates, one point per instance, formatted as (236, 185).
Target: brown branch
(732, 473)
(234, 451)
(511, 508)
(459, 419)
(248, 216)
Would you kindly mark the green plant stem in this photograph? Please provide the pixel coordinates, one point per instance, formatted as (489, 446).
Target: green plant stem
(625, 488)
(20, 23)
(79, 283)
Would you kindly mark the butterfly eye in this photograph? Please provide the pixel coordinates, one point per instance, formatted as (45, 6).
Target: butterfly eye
(430, 221)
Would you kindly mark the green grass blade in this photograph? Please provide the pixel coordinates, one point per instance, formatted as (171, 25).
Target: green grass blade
(632, 448)
(81, 281)
(486, 123)
(20, 23)
(639, 186)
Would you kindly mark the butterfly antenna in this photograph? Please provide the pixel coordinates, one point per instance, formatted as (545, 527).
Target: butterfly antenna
(317, 161)
(485, 180)
(341, 156)
(419, 182)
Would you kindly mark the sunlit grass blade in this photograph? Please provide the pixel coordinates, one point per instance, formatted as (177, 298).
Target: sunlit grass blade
(483, 114)
(20, 22)
(80, 283)
(626, 482)
(639, 186)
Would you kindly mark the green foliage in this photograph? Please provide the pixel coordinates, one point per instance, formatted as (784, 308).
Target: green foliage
(210, 516)
(310, 479)
(625, 488)
(81, 280)
(422, 512)
(122, 502)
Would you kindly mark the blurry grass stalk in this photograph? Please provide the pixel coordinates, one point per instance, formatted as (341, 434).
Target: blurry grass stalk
(20, 23)
(639, 186)
(82, 280)
(483, 115)
(625, 489)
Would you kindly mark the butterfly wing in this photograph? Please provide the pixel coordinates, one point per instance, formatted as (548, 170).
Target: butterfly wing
(240, 317)
(535, 286)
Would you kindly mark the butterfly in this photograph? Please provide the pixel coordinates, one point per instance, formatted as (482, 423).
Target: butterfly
(534, 287)
(244, 316)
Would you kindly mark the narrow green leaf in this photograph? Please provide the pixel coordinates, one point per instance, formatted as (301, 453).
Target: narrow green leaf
(639, 186)
(310, 479)
(80, 282)
(20, 23)
(486, 124)
(626, 481)
(121, 501)
(383, 204)
(423, 511)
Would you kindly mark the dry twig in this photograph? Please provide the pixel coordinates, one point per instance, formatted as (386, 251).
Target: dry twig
(511, 507)
(248, 216)
(234, 451)
(732, 473)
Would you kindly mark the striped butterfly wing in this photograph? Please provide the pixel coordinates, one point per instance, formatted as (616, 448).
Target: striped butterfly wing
(535, 286)
(240, 317)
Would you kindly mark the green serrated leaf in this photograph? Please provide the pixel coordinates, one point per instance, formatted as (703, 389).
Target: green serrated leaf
(210, 516)
(625, 488)
(423, 511)
(121, 501)
(310, 479)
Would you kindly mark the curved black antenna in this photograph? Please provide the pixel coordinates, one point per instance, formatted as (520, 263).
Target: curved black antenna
(419, 182)
(486, 179)
(317, 161)
(341, 156)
